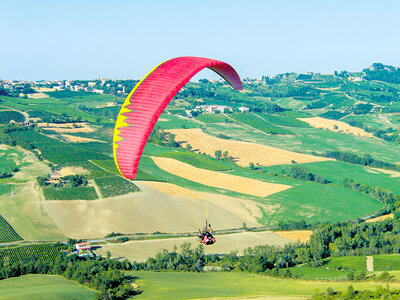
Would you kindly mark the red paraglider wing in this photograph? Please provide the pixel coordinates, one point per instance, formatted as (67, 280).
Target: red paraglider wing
(149, 98)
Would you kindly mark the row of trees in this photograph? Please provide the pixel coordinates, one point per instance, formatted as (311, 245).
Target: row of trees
(223, 155)
(379, 293)
(382, 72)
(365, 160)
(61, 119)
(304, 174)
(160, 137)
(376, 192)
(347, 239)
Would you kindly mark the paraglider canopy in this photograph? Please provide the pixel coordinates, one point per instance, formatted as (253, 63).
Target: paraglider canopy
(148, 99)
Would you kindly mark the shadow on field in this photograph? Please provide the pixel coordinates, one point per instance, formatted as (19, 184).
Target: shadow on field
(132, 280)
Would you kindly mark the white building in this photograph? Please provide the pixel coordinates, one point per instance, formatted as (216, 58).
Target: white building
(243, 109)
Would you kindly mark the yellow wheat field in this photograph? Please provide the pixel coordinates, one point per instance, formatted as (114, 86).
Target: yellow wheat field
(380, 218)
(334, 125)
(72, 170)
(220, 180)
(79, 139)
(37, 96)
(296, 235)
(171, 189)
(243, 152)
(66, 127)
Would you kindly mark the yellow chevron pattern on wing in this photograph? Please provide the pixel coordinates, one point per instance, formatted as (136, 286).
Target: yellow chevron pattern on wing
(121, 118)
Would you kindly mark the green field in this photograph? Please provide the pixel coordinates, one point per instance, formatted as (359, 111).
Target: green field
(115, 185)
(213, 118)
(57, 107)
(52, 106)
(337, 268)
(386, 262)
(108, 165)
(7, 233)
(338, 100)
(43, 252)
(320, 202)
(318, 273)
(197, 160)
(37, 113)
(284, 120)
(11, 158)
(187, 285)
(290, 103)
(342, 170)
(258, 123)
(43, 287)
(56, 151)
(350, 263)
(169, 121)
(22, 209)
(70, 193)
(7, 115)
(5, 188)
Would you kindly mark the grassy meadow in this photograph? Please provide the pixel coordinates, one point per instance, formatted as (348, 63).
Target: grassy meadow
(23, 211)
(172, 285)
(43, 287)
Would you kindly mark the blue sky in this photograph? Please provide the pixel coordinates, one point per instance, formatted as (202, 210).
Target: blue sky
(125, 39)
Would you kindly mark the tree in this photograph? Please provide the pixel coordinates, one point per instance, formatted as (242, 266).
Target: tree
(350, 293)
(188, 147)
(171, 140)
(71, 241)
(218, 154)
(244, 226)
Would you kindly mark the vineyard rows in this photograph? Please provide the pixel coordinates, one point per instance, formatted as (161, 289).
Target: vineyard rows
(7, 233)
(43, 252)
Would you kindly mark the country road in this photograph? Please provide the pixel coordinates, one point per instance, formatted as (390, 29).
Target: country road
(137, 236)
